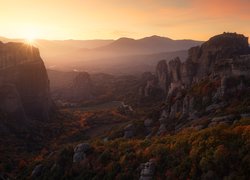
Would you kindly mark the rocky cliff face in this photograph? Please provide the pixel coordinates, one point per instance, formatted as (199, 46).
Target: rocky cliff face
(162, 75)
(222, 55)
(24, 84)
(216, 49)
(217, 69)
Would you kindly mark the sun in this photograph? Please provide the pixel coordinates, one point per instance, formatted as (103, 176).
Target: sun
(30, 37)
(30, 40)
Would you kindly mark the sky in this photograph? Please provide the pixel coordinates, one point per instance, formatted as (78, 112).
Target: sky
(112, 19)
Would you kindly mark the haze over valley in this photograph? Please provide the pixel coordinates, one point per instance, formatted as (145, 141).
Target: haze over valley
(122, 56)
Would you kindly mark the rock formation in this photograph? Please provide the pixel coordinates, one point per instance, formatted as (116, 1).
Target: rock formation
(82, 86)
(24, 84)
(150, 86)
(162, 75)
(148, 170)
(81, 151)
(221, 65)
(223, 55)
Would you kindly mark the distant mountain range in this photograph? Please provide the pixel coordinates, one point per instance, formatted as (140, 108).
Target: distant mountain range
(148, 45)
(100, 55)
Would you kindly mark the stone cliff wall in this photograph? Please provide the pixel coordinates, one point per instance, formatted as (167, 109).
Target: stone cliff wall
(12, 54)
(24, 82)
(213, 73)
(223, 55)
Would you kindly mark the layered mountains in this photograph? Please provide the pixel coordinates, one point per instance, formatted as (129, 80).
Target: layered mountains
(148, 45)
(122, 56)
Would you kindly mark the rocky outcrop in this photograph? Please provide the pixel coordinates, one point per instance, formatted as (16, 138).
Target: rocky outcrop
(82, 87)
(174, 70)
(24, 84)
(148, 170)
(163, 75)
(223, 55)
(125, 109)
(81, 151)
(223, 120)
(219, 48)
(149, 88)
(217, 69)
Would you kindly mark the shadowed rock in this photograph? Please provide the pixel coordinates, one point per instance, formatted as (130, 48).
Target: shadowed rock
(82, 87)
(24, 82)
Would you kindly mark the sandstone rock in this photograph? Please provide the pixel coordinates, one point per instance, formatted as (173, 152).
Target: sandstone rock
(224, 58)
(187, 72)
(176, 108)
(219, 47)
(175, 69)
(224, 118)
(213, 57)
(163, 75)
(148, 170)
(79, 156)
(24, 82)
(148, 84)
(80, 152)
(229, 119)
(241, 65)
(125, 109)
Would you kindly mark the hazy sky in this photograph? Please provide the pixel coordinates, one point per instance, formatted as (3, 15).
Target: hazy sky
(111, 19)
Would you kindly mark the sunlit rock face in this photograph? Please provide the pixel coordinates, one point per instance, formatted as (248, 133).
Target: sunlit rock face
(24, 82)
